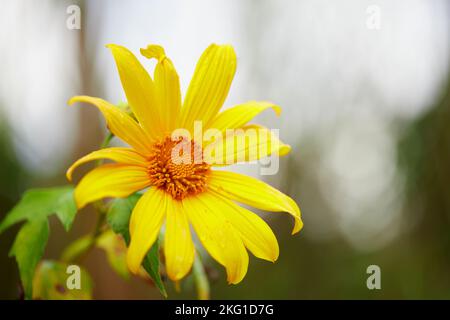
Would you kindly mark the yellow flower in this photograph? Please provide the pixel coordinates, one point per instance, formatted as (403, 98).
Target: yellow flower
(184, 194)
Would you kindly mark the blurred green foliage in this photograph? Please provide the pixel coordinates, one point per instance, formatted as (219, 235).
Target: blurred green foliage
(13, 180)
(415, 265)
(50, 283)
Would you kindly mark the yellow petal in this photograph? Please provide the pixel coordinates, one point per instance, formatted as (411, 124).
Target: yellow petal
(120, 155)
(255, 233)
(119, 123)
(139, 89)
(217, 235)
(178, 246)
(146, 221)
(239, 115)
(167, 86)
(110, 180)
(255, 193)
(249, 143)
(209, 85)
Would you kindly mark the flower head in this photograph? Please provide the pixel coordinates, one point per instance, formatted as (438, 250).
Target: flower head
(184, 188)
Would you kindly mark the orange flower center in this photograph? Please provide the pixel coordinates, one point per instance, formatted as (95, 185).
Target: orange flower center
(178, 168)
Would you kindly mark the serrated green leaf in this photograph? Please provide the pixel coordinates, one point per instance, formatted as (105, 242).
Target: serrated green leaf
(37, 204)
(28, 248)
(119, 214)
(34, 207)
(50, 282)
(119, 218)
(66, 208)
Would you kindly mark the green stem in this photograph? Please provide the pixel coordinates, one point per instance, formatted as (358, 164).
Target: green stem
(81, 246)
(107, 140)
(104, 145)
(201, 279)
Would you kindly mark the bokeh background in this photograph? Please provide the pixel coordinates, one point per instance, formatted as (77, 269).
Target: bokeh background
(366, 108)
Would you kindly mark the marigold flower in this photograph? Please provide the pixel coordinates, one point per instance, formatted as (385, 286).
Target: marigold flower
(184, 194)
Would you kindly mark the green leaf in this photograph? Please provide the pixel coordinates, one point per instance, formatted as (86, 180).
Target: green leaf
(28, 248)
(34, 207)
(119, 214)
(114, 246)
(50, 282)
(77, 248)
(119, 218)
(151, 265)
(37, 204)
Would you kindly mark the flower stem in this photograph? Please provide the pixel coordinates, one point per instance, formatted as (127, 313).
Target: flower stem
(107, 140)
(104, 145)
(200, 279)
(81, 246)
